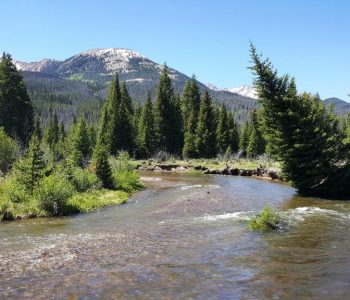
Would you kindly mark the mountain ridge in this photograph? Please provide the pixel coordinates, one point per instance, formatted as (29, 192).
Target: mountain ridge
(83, 79)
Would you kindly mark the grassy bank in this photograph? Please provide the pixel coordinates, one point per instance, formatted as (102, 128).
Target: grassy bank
(66, 190)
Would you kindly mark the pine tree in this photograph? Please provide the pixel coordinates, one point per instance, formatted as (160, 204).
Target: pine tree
(189, 149)
(223, 130)
(127, 99)
(234, 135)
(190, 102)
(81, 149)
(37, 128)
(301, 134)
(104, 133)
(163, 111)
(16, 111)
(125, 129)
(62, 132)
(103, 168)
(119, 111)
(205, 133)
(53, 132)
(114, 101)
(244, 138)
(31, 168)
(146, 131)
(256, 143)
(175, 134)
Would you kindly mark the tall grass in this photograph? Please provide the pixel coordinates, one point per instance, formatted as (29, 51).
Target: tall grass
(124, 174)
(269, 219)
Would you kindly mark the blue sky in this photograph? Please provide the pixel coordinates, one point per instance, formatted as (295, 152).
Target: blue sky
(306, 38)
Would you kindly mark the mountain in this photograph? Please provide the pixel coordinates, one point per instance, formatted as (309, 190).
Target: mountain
(79, 84)
(243, 90)
(341, 107)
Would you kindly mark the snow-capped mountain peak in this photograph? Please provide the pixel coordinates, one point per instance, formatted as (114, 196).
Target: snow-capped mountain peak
(243, 90)
(38, 66)
(120, 53)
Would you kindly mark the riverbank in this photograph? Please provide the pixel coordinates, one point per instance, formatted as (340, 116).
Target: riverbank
(78, 203)
(66, 191)
(268, 170)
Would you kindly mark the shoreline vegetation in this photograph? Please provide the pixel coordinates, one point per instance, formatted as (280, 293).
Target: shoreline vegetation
(67, 190)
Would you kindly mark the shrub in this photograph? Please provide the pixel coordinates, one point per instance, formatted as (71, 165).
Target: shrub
(53, 193)
(9, 151)
(84, 180)
(13, 190)
(267, 220)
(124, 175)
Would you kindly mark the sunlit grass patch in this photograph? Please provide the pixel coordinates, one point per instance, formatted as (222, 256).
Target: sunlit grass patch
(87, 202)
(269, 219)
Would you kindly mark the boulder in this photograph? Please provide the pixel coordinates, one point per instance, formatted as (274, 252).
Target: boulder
(273, 175)
(234, 171)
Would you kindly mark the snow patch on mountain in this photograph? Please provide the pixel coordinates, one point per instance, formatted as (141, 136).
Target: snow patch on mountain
(38, 66)
(243, 90)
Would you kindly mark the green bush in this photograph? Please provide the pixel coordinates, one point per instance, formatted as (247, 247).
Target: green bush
(53, 193)
(124, 175)
(9, 151)
(84, 180)
(14, 191)
(267, 220)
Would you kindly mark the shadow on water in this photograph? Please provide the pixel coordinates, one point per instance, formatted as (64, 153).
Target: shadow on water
(183, 237)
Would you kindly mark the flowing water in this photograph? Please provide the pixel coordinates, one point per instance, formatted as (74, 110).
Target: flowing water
(183, 238)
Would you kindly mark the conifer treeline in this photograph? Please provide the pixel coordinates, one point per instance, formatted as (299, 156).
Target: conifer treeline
(188, 125)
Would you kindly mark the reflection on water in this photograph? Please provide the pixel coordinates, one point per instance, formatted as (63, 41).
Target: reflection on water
(184, 237)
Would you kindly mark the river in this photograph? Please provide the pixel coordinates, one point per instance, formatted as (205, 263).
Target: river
(183, 237)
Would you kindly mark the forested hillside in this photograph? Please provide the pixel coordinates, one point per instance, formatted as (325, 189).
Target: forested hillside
(79, 84)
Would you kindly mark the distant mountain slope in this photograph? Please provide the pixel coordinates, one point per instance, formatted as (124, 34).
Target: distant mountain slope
(341, 107)
(79, 84)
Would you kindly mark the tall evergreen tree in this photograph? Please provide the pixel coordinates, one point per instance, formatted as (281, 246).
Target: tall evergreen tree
(302, 134)
(126, 98)
(121, 131)
(190, 102)
(16, 111)
(223, 130)
(205, 132)
(114, 101)
(103, 133)
(53, 131)
(81, 148)
(37, 128)
(244, 137)
(163, 111)
(62, 132)
(31, 168)
(234, 135)
(189, 149)
(175, 135)
(146, 131)
(103, 168)
(256, 142)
